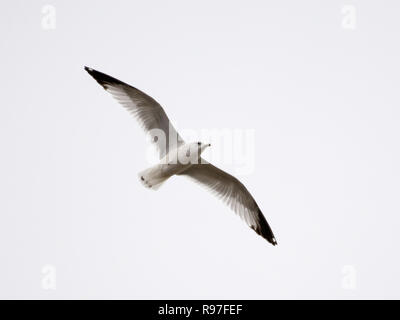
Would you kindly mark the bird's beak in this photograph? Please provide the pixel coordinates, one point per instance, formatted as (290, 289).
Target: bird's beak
(209, 145)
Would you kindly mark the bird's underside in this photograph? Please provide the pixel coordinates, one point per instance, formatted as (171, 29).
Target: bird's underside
(153, 118)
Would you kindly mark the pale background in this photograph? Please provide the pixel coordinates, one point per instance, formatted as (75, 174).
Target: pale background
(323, 101)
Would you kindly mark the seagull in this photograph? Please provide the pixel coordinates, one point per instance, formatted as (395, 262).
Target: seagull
(180, 158)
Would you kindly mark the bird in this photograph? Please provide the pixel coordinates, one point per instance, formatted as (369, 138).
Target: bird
(180, 158)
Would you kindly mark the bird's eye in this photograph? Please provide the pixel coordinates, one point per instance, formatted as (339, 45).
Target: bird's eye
(199, 143)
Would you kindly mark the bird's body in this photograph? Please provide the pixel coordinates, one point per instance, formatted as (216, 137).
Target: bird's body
(180, 158)
(169, 165)
(175, 162)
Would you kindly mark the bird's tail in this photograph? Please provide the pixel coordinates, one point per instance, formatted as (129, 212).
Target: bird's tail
(152, 178)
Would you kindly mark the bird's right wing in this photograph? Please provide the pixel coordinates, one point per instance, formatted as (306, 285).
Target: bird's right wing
(146, 110)
(234, 193)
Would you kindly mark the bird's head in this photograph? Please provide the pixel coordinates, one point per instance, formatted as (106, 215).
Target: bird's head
(201, 146)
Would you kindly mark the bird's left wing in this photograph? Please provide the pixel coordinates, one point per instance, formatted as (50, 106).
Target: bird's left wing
(146, 110)
(233, 193)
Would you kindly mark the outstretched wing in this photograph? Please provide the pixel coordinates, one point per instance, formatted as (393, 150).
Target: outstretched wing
(234, 193)
(146, 110)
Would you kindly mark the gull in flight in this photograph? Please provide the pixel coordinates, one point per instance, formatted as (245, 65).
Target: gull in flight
(180, 158)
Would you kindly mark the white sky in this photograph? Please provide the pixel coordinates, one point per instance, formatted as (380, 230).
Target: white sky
(322, 100)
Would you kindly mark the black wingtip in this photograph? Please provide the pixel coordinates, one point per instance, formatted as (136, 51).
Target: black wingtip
(271, 240)
(265, 230)
(102, 78)
(90, 71)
